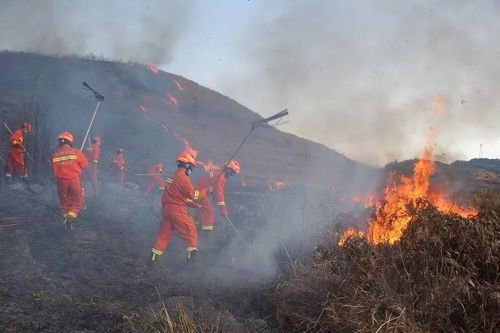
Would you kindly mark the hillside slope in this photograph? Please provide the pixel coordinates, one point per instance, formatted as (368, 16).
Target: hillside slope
(150, 112)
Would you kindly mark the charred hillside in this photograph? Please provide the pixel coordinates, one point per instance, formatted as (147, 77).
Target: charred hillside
(152, 114)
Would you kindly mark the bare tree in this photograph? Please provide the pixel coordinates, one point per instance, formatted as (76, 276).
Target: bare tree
(33, 107)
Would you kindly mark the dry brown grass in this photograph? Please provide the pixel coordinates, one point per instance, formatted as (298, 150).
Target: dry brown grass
(183, 322)
(443, 276)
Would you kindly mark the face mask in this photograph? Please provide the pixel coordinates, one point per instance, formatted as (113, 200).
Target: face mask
(188, 171)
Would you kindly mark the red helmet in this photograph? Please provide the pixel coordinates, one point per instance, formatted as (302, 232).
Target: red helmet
(65, 136)
(159, 166)
(234, 165)
(186, 157)
(27, 126)
(96, 139)
(121, 150)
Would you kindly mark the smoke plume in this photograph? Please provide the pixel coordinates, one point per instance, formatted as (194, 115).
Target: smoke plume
(146, 32)
(362, 77)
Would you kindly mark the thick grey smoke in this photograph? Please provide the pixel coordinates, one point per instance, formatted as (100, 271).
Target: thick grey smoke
(143, 31)
(360, 76)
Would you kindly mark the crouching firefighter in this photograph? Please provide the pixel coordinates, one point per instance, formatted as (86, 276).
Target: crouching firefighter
(154, 176)
(214, 182)
(178, 193)
(118, 164)
(67, 164)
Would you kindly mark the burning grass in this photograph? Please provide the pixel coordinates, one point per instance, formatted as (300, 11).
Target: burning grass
(442, 275)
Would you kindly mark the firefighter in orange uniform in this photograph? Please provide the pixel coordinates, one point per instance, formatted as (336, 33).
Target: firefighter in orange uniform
(67, 164)
(92, 153)
(214, 182)
(178, 193)
(154, 177)
(15, 158)
(119, 165)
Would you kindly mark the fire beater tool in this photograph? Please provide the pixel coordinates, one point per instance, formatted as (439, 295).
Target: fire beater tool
(99, 98)
(237, 232)
(25, 151)
(255, 124)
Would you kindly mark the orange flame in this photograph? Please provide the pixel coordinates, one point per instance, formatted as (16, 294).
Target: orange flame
(368, 200)
(392, 215)
(179, 86)
(171, 99)
(208, 165)
(152, 68)
(349, 233)
(143, 108)
(273, 187)
(185, 142)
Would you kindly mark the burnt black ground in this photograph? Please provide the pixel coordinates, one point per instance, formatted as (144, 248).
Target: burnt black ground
(97, 278)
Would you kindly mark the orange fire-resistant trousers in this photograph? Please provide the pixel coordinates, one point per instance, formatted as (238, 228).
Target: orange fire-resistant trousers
(15, 163)
(175, 217)
(205, 214)
(90, 174)
(120, 177)
(70, 196)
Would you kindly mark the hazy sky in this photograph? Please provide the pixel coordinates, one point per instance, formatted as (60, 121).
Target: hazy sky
(363, 77)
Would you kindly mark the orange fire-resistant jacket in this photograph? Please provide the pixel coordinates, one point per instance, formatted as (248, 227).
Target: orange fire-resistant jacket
(93, 153)
(68, 162)
(214, 182)
(16, 141)
(154, 177)
(119, 162)
(179, 190)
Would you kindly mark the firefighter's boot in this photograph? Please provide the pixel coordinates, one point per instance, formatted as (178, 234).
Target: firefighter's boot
(70, 224)
(153, 259)
(192, 256)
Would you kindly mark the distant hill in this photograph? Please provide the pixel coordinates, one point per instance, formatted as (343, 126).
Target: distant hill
(460, 176)
(150, 112)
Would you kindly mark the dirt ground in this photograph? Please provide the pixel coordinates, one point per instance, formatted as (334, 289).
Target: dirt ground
(97, 278)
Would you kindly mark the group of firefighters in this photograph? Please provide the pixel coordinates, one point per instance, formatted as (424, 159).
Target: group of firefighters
(178, 191)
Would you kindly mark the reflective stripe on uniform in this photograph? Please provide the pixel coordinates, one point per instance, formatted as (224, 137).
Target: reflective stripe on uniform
(8, 175)
(95, 161)
(211, 173)
(157, 252)
(190, 249)
(196, 195)
(221, 203)
(169, 180)
(208, 227)
(64, 158)
(72, 214)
